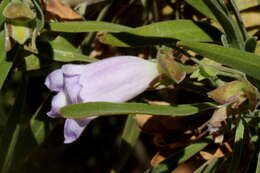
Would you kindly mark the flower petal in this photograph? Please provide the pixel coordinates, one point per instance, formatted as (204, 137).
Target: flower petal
(73, 128)
(72, 88)
(58, 101)
(72, 69)
(116, 79)
(54, 80)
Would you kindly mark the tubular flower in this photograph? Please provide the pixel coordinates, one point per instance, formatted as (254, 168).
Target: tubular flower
(115, 79)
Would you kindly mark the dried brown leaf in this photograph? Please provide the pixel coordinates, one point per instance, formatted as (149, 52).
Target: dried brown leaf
(228, 92)
(56, 9)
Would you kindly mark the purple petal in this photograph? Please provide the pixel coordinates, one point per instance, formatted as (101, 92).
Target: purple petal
(72, 88)
(54, 80)
(73, 128)
(72, 69)
(58, 101)
(116, 79)
(71, 77)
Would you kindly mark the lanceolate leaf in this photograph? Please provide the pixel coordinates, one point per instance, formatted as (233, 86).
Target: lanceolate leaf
(128, 141)
(10, 136)
(104, 108)
(166, 32)
(258, 163)
(201, 7)
(181, 156)
(238, 148)
(87, 26)
(248, 63)
(64, 51)
(5, 66)
(2, 6)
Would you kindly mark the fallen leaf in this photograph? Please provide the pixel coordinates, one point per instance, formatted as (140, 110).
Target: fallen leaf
(228, 92)
(218, 116)
(56, 9)
(172, 68)
(208, 156)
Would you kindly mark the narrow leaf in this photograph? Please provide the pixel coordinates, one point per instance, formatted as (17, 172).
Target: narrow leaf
(87, 26)
(166, 32)
(233, 33)
(246, 62)
(210, 166)
(201, 7)
(104, 108)
(180, 157)
(3, 4)
(238, 148)
(64, 51)
(129, 139)
(9, 138)
(258, 164)
(5, 66)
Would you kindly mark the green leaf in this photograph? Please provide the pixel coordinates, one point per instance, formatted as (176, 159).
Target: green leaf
(129, 139)
(32, 62)
(201, 7)
(38, 126)
(10, 136)
(40, 15)
(104, 108)
(179, 157)
(33, 133)
(232, 30)
(250, 45)
(246, 62)
(238, 148)
(166, 32)
(258, 163)
(87, 26)
(3, 4)
(64, 51)
(210, 166)
(39, 23)
(5, 66)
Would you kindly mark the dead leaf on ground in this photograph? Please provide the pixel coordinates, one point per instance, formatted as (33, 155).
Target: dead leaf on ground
(228, 92)
(218, 116)
(55, 9)
(208, 156)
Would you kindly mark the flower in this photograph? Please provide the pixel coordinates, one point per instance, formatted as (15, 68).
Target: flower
(115, 79)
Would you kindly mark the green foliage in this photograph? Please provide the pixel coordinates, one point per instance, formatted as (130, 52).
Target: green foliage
(248, 63)
(208, 58)
(166, 32)
(179, 157)
(104, 108)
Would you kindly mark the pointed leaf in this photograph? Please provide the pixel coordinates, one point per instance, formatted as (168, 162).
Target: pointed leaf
(166, 32)
(104, 108)
(201, 7)
(5, 66)
(87, 26)
(228, 92)
(179, 157)
(129, 139)
(238, 148)
(246, 62)
(64, 51)
(172, 68)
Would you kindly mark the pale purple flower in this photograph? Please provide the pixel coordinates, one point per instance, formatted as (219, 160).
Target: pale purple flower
(115, 79)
